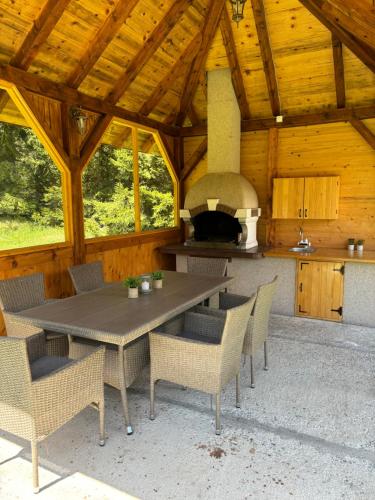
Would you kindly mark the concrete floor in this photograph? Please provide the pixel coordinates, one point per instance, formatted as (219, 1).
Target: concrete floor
(307, 431)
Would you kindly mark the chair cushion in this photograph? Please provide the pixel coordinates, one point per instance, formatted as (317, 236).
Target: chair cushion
(200, 338)
(47, 364)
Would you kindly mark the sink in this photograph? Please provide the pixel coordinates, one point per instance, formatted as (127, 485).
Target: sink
(302, 249)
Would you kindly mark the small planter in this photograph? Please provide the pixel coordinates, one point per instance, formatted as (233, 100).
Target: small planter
(158, 283)
(360, 246)
(351, 245)
(133, 293)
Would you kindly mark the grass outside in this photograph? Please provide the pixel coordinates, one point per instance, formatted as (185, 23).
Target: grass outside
(19, 234)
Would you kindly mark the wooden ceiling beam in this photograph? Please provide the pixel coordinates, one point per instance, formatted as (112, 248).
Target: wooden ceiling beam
(365, 132)
(230, 47)
(363, 52)
(62, 93)
(192, 79)
(151, 45)
(266, 53)
(338, 63)
(195, 158)
(103, 38)
(332, 116)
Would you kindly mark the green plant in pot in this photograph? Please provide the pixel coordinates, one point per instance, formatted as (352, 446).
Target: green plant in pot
(351, 242)
(360, 245)
(132, 283)
(157, 278)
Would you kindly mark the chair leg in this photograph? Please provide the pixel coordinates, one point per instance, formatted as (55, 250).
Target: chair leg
(101, 423)
(265, 356)
(238, 397)
(124, 396)
(34, 460)
(152, 400)
(252, 380)
(218, 412)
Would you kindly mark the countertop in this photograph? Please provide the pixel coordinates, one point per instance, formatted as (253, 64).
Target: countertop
(324, 254)
(228, 253)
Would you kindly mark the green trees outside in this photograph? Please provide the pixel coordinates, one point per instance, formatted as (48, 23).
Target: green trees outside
(31, 206)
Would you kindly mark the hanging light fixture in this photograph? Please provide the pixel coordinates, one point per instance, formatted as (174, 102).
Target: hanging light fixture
(237, 9)
(80, 119)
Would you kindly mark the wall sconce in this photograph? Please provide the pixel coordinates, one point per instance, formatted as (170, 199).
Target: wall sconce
(237, 9)
(80, 119)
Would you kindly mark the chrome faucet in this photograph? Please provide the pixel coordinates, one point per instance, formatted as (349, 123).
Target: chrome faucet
(303, 242)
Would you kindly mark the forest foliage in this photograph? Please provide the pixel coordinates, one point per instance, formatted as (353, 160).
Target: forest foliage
(30, 189)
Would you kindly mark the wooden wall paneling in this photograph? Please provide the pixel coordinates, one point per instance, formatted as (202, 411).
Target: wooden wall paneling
(364, 131)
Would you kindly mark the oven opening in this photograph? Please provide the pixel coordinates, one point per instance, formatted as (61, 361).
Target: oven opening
(216, 226)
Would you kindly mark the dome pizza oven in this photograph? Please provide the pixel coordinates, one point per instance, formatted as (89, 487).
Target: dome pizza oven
(221, 209)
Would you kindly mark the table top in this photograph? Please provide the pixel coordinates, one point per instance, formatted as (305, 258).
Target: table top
(108, 315)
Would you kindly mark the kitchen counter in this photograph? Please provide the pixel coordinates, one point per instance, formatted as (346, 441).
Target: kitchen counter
(324, 254)
(228, 253)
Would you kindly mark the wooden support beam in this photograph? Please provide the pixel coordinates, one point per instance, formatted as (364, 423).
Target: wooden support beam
(102, 39)
(62, 93)
(150, 46)
(272, 155)
(266, 53)
(89, 146)
(77, 216)
(195, 158)
(338, 63)
(332, 116)
(192, 79)
(230, 47)
(365, 132)
(363, 52)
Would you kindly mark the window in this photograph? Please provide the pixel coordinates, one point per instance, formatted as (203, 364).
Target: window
(31, 202)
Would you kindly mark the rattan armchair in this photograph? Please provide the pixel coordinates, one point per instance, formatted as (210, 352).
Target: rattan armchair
(87, 277)
(204, 355)
(24, 292)
(257, 328)
(40, 393)
(206, 265)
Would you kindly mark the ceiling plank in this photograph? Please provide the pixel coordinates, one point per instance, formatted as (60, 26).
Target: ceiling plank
(230, 47)
(192, 79)
(363, 52)
(338, 63)
(62, 93)
(266, 53)
(195, 158)
(332, 116)
(153, 42)
(103, 38)
(365, 132)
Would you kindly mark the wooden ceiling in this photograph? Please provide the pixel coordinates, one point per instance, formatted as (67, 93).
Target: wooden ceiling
(287, 57)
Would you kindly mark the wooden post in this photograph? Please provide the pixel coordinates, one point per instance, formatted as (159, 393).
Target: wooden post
(137, 202)
(273, 141)
(76, 204)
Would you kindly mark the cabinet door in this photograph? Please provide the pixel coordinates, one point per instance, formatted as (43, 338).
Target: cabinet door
(321, 199)
(320, 290)
(287, 201)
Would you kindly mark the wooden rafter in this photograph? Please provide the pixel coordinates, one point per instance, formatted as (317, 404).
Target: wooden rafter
(266, 53)
(365, 53)
(103, 38)
(195, 158)
(230, 47)
(192, 79)
(62, 93)
(338, 63)
(365, 132)
(332, 116)
(193, 116)
(153, 42)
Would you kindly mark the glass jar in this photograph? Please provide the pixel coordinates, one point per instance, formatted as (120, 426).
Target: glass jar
(146, 283)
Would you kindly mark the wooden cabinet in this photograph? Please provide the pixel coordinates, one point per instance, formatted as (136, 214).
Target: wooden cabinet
(305, 198)
(320, 288)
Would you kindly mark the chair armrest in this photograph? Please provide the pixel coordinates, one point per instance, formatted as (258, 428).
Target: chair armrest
(229, 300)
(203, 324)
(16, 328)
(36, 346)
(220, 313)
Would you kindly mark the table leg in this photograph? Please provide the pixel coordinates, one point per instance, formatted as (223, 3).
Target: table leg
(122, 381)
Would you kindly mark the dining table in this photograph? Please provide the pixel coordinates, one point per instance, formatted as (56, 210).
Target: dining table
(107, 314)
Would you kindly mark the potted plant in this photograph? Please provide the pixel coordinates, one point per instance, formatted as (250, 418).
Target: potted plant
(132, 282)
(157, 278)
(360, 246)
(351, 244)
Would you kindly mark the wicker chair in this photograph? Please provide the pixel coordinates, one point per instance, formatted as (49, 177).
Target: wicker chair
(204, 355)
(87, 277)
(204, 265)
(25, 292)
(39, 393)
(257, 328)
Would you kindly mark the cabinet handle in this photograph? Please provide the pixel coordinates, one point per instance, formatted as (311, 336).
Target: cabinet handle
(300, 287)
(300, 213)
(305, 213)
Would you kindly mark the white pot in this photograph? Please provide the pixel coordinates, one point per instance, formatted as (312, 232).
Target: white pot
(351, 248)
(360, 248)
(133, 293)
(157, 283)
